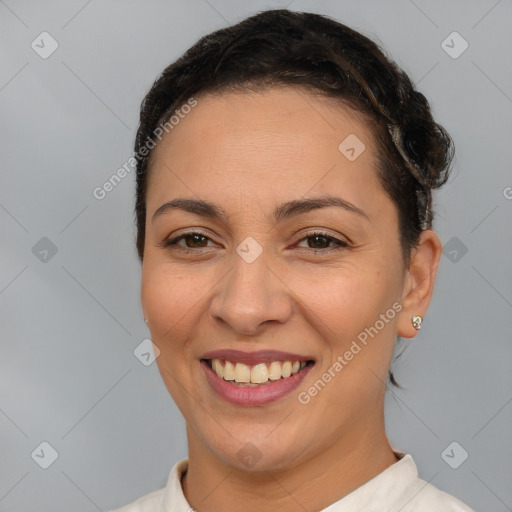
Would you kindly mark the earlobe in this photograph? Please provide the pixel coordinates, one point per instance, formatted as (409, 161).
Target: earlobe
(420, 282)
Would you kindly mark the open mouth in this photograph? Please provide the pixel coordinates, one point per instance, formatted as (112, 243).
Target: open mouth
(261, 374)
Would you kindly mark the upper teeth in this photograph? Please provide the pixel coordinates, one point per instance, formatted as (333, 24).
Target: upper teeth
(257, 374)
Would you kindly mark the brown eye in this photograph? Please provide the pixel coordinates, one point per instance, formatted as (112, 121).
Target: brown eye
(318, 241)
(195, 240)
(191, 240)
(322, 242)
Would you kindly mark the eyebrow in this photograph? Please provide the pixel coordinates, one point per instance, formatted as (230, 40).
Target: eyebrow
(284, 211)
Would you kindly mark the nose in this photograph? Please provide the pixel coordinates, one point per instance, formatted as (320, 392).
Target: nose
(251, 295)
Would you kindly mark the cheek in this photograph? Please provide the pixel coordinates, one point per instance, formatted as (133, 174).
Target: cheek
(354, 321)
(170, 300)
(348, 298)
(351, 310)
(169, 297)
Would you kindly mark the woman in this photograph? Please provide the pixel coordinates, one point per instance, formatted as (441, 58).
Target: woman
(284, 183)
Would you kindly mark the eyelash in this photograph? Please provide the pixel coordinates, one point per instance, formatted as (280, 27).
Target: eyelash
(339, 244)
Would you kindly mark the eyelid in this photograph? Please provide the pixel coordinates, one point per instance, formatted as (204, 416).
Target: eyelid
(191, 231)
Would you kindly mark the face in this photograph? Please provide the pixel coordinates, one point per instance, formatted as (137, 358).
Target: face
(282, 246)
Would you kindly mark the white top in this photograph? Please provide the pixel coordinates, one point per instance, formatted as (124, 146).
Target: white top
(396, 488)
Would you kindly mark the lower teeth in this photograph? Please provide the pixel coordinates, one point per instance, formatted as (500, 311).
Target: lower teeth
(249, 384)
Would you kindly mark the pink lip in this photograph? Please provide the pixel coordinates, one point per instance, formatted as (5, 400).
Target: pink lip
(254, 396)
(252, 358)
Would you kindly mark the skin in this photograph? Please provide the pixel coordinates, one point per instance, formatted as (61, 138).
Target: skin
(248, 153)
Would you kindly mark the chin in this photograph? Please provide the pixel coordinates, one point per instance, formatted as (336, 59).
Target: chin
(257, 456)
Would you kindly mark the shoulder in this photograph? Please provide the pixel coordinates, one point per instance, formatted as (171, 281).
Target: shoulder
(166, 499)
(424, 497)
(407, 492)
(151, 502)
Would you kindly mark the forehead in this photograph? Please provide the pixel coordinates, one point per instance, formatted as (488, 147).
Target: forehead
(278, 141)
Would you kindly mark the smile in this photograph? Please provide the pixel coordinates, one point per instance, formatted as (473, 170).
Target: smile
(257, 383)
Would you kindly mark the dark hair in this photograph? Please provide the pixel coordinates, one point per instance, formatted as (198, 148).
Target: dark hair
(315, 53)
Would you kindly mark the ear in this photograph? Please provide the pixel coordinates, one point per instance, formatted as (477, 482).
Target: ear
(419, 281)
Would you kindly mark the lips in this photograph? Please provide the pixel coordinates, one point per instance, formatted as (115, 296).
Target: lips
(241, 377)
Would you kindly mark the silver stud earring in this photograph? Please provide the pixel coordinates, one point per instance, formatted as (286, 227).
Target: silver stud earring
(146, 320)
(416, 321)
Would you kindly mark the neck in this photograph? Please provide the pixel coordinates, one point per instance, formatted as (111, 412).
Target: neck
(361, 454)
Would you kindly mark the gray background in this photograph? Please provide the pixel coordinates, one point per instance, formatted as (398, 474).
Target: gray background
(70, 321)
